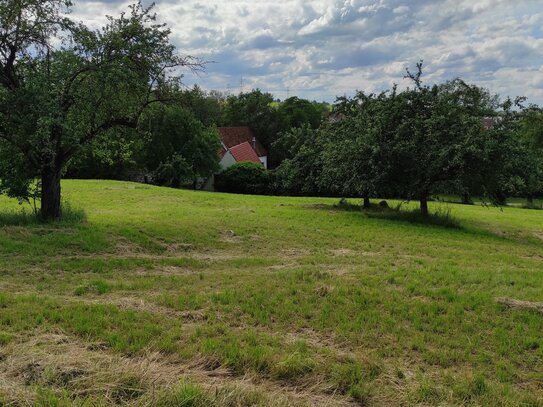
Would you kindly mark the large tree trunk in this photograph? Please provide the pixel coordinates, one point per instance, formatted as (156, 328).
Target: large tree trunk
(50, 194)
(424, 205)
(366, 204)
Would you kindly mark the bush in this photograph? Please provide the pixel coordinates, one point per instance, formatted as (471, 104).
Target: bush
(244, 178)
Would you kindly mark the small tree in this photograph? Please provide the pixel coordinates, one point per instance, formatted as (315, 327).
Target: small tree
(54, 99)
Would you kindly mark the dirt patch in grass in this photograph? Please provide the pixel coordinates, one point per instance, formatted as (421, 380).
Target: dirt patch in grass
(126, 248)
(342, 252)
(277, 267)
(294, 253)
(215, 256)
(60, 362)
(229, 236)
(179, 247)
(163, 271)
(139, 304)
(318, 340)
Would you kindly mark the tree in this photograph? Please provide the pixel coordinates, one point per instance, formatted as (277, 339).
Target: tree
(253, 109)
(296, 112)
(440, 138)
(179, 149)
(526, 154)
(205, 106)
(54, 99)
(410, 144)
(292, 114)
(351, 157)
(302, 173)
(112, 155)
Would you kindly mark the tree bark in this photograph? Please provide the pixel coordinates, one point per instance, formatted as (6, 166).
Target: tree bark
(466, 199)
(424, 206)
(50, 194)
(366, 204)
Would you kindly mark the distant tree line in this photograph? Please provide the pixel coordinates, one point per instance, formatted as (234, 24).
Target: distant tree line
(176, 144)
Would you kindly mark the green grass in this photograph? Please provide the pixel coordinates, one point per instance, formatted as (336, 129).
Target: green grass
(289, 296)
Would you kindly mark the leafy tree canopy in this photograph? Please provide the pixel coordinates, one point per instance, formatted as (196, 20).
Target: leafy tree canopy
(63, 85)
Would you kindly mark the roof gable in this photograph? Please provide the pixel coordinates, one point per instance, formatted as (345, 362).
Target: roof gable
(234, 136)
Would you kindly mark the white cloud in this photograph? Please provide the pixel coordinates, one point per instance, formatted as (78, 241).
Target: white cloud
(322, 48)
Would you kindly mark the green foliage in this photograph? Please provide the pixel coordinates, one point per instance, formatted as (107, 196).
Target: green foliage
(413, 144)
(253, 109)
(243, 178)
(295, 112)
(293, 139)
(16, 177)
(179, 148)
(112, 155)
(63, 85)
(527, 156)
(205, 106)
(269, 119)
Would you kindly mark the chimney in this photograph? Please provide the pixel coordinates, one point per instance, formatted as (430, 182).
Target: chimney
(254, 143)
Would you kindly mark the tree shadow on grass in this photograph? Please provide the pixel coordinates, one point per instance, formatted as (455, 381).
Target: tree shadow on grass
(442, 217)
(26, 217)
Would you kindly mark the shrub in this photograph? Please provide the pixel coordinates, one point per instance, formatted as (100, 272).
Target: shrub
(243, 178)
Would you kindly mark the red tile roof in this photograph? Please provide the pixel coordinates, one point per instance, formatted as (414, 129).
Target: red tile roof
(244, 152)
(233, 136)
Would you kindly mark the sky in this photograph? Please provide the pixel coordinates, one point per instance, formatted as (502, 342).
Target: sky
(320, 49)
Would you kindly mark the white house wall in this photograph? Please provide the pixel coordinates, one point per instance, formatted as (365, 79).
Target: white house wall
(228, 160)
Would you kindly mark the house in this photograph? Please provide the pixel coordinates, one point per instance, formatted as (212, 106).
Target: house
(238, 144)
(235, 136)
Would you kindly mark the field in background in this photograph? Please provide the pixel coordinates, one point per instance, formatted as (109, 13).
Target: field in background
(178, 298)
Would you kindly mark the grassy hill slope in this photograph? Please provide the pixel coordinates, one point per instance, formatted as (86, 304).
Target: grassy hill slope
(169, 297)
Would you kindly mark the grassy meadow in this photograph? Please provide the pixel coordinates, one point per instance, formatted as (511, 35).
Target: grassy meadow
(163, 297)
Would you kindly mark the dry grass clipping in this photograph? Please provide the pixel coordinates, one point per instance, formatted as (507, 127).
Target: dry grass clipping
(518, 304)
